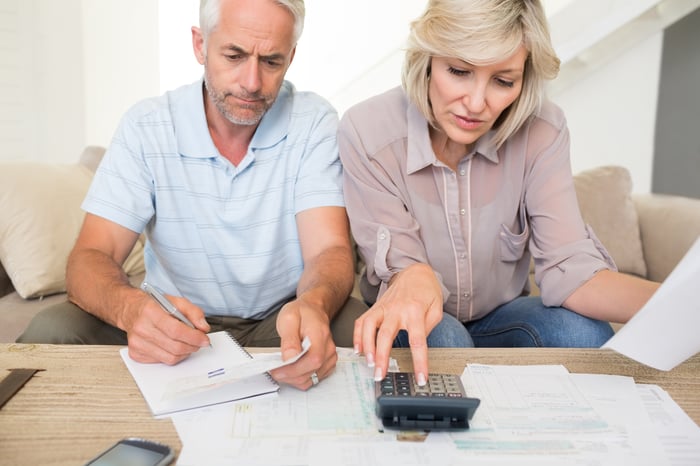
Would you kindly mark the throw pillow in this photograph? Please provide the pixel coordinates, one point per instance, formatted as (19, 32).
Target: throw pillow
(41, 218)
(604, 196)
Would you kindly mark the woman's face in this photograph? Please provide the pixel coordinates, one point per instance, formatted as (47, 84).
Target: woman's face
(468, 99)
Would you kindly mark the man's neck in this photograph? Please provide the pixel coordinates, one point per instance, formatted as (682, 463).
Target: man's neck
(230, 139)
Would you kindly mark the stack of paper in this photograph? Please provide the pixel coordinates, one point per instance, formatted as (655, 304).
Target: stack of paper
(539, 415)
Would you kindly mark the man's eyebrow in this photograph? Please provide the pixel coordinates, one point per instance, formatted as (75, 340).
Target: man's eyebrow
(240, 51)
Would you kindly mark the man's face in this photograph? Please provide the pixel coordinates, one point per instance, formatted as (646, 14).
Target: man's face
(246, 58)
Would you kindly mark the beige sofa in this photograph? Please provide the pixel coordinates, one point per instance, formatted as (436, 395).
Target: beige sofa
(646, 234)
(41, 217)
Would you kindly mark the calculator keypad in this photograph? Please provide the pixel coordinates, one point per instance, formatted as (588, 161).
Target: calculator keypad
(404, 384)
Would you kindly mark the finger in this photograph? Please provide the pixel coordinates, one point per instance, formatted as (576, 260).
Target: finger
(195, 315)
(384, 342)
(417, 340)
(288, 327)
(299, 374)
(193, 312)
(357, 334)
(176, 336)
(372, 321)
(161, 333)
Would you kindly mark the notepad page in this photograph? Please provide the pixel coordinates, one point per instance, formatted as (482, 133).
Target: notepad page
(154, 379)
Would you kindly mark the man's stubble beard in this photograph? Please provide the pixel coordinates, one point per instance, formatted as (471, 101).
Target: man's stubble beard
(219, 100)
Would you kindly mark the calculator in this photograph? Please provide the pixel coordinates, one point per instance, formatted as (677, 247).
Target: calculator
(441, 404)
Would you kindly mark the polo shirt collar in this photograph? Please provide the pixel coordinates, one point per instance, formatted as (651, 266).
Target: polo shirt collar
(192, 131)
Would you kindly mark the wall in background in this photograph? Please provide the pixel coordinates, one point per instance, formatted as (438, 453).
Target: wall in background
(121, 64)
(352, 50)
(80, 64)
(41, 79)
(677, 144)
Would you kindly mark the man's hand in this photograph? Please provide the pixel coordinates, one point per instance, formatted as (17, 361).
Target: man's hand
(412, 302)
(156, 336)
(296, 320)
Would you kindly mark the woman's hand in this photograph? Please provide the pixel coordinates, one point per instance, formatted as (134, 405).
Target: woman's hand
(412, 302)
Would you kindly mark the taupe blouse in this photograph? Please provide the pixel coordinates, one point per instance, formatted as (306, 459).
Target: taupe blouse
(477, 226)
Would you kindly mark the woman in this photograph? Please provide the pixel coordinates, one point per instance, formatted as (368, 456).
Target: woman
(454, 180)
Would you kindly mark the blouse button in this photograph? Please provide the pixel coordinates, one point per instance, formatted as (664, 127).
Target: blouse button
(462, 172)
(462, 212)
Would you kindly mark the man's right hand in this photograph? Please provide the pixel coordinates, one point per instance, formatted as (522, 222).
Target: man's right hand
(156, 336)
(412, 302)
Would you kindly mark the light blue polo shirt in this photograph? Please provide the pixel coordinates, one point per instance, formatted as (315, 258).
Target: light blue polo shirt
(223, 236)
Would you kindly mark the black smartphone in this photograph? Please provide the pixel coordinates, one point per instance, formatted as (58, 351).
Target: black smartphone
(134, 452)
(441, 404)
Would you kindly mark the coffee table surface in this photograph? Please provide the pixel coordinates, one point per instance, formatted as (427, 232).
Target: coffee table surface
(85, 399)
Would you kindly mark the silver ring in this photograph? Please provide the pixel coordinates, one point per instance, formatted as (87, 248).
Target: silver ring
(314, 378)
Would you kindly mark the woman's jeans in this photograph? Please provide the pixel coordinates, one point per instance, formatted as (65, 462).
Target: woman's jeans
(523, 322)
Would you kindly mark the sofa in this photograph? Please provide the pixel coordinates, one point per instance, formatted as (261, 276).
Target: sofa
(646, 234)
(41, 218)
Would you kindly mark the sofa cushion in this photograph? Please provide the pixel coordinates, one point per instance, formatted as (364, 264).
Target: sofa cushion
(605, 199)
(40, 221)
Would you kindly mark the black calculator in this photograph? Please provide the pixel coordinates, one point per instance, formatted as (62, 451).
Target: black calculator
(439, 405)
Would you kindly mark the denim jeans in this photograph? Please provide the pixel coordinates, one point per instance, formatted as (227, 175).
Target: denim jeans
(523, 322)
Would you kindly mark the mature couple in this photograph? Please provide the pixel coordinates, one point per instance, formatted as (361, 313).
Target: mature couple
(452, 182)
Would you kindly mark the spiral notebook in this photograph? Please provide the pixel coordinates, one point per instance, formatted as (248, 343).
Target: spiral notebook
(156, 381)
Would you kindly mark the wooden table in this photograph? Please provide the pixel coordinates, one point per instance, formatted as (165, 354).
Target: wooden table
(85, 400)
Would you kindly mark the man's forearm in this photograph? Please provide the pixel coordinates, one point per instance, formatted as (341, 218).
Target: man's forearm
(98, 285)
(328, 279)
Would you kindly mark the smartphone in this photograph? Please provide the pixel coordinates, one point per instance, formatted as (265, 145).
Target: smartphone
(134, 452)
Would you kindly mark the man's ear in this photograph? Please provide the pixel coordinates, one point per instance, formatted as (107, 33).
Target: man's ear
(198, 45)
(294, 51)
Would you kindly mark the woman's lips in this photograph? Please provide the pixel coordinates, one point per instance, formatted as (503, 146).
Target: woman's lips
(468, 123)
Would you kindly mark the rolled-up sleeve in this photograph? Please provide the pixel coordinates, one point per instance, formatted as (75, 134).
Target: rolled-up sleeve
(387, 235)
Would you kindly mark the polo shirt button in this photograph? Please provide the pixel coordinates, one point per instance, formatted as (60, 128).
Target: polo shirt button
(462, 212)
(462, 172)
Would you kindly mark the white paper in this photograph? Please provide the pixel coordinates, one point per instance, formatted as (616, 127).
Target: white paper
(678, 433)
(279, 430)
(155, 379)
(543, 411)
(261, 363)
(664, 333)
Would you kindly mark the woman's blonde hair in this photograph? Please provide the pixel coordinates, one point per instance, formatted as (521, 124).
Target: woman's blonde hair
(482, 32)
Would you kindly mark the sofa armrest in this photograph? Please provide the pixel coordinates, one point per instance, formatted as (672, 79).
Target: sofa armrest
(668, 225)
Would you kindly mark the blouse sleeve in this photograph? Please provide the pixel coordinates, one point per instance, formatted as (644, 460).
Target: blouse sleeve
(566, 252)
(387, 235)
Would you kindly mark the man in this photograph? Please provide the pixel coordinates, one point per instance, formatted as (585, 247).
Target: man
(236, 181)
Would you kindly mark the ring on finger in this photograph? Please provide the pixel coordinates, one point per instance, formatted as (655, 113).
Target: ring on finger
(314, 378)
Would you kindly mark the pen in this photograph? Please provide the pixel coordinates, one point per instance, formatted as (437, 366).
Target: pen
(165, 304)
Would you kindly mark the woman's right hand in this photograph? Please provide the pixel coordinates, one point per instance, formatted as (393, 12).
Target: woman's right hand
(412, 302)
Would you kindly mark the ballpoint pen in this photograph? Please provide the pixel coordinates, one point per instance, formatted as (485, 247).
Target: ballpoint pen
(165, 304)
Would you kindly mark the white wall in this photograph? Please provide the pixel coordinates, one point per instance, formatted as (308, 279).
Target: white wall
(121, 65)
(41, 82)
(134, 49)
(611, 113)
